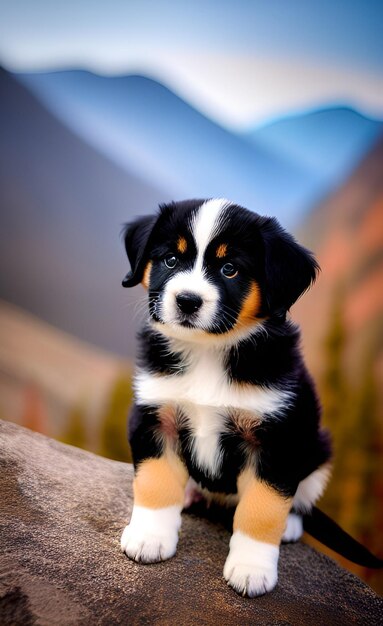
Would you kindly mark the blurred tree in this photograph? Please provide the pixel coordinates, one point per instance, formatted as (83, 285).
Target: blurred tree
(364, 438)
(360, 508)
(351, 411)
(367, 510)
(75, 433)
(34, 415)
(334, 384)
(113, 433)
(335, 400)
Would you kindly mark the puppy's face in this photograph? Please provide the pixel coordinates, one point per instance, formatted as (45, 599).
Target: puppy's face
(207, 266)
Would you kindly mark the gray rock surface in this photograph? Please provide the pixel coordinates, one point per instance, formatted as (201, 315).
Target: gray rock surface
(62, 513)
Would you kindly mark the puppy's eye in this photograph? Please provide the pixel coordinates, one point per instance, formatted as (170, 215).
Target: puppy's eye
(229, 270)
(170, 261)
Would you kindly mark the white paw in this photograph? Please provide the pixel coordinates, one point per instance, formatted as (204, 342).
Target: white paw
(251, 566)
(152, 534)
(250, 580)
(145, 548)
(294, 528)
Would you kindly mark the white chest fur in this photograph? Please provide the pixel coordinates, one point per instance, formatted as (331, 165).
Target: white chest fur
(205, 393)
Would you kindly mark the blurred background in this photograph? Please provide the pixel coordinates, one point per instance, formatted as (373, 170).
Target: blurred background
(108, 109)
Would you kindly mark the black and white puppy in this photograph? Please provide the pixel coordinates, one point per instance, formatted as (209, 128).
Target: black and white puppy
(223, 401)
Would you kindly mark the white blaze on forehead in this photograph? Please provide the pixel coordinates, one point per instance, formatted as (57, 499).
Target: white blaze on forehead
(206, 223)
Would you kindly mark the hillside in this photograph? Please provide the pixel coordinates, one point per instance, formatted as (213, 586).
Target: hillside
(62, 204)
(342, 324)
(346, 233)
(45, 374)
(143, 125)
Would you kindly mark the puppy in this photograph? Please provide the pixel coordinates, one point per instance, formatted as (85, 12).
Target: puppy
(223, 401)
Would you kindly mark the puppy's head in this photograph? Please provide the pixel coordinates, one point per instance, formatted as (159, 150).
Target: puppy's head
(212, 267)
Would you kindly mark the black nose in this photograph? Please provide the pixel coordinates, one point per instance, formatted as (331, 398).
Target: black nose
(188, 302)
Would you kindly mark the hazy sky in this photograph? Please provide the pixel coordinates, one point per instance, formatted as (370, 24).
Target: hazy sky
(241, 62)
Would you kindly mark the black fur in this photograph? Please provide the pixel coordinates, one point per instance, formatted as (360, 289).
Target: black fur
(155, 355)
(270, 358)
(143, 427)
(289, 268)
(136, 238)
(323, 528)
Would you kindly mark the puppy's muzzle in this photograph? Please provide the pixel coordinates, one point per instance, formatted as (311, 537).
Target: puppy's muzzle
(188, 302)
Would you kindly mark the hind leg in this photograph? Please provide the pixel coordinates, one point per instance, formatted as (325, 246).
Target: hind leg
(294, 528)
(311, 488)
(192, 493)
(309, 491)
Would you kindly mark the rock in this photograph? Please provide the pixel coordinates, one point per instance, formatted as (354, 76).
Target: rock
(62, 513)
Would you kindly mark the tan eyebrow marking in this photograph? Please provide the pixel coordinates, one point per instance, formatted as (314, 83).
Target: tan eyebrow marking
(221, 251)
(182, 245)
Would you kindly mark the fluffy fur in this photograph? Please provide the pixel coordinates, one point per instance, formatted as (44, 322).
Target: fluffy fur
(221, 383)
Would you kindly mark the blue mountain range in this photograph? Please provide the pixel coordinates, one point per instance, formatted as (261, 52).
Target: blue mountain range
(145, 127)
(329, 141)
(81, 154)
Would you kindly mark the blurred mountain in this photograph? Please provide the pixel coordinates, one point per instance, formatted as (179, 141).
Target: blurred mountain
(346, 232)
(145, 127)
(45, 374)
(328, 141)
(63, 200)
(62, 204)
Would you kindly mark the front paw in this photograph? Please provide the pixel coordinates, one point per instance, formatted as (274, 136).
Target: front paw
(148, 548)
(251, 566)
(152, 534)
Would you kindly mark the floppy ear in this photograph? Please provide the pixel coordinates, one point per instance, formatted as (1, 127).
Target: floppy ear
(136, 237)
(290, 269)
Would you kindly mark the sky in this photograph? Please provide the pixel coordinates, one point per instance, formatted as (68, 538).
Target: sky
(242, 63)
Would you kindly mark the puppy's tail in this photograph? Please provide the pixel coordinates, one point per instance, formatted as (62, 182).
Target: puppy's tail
(324, 529)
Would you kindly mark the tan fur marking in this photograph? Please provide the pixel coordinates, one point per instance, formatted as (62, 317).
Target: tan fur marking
(160, 482)
(262, 512)
(250, 306)
(146, 276)
(221, 251)
(182, 245)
